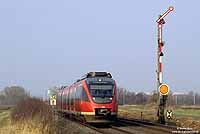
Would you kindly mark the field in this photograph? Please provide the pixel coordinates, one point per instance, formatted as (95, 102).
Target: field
(183, 116)
(4, 116)
(37, 125)
(188, 111)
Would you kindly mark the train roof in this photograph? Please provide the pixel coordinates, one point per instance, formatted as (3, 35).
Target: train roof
(89, 75)
(96, 74)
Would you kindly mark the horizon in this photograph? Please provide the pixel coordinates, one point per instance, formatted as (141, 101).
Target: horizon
(53, 43)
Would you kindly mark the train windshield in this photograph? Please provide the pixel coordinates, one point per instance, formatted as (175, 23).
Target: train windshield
(101, 90)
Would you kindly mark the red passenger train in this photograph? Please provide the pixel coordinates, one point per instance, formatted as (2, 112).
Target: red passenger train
(92, 98)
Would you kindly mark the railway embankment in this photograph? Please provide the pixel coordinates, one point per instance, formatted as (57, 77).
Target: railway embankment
(33, 116)
(183, 116)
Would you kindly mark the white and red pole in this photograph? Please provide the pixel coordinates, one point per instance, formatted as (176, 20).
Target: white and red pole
(160, 53)
(162, 101)
(160, 22)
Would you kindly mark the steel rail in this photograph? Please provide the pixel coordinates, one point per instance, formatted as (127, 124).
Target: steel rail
(150, 125)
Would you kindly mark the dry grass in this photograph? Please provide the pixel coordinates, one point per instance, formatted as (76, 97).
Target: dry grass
(31, 116)
(25, 127)
(188, 123)
(149, 113)
(4, 118)
(31, 108)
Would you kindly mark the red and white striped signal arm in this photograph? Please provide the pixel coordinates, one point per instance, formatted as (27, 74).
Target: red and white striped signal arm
(160, 22)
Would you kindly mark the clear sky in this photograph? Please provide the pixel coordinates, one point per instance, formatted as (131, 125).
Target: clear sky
(45, 43)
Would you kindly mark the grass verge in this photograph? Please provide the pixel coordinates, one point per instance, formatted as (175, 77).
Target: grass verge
(31, 116)
(183, 117)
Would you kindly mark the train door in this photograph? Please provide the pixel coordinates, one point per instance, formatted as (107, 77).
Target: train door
(66, 95)
(60, 100)
(74, 106)
(73, 99)
(57, 99)
(78, 95)
(68, 99)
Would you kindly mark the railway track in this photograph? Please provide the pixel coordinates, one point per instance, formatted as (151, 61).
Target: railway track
(102, 129)
(126, 126)
(149, 125)
(109, 129)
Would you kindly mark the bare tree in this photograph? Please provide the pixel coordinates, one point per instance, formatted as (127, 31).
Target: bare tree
(12, 95)
(2, 98)
(154, 97)
(170, 100)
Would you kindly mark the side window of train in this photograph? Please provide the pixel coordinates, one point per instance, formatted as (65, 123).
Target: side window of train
(72, 97)
(63, 100)
(78, 93)
(84, 94)
(60, 98)
(66, 98)
(74, 94)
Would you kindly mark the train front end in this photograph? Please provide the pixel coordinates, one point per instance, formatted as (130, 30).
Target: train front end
(102, 94)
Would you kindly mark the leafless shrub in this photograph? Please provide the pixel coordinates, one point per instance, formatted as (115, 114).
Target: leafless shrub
(12, 95)
(34, 110)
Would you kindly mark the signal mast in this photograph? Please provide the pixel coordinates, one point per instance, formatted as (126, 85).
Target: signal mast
(161, 98)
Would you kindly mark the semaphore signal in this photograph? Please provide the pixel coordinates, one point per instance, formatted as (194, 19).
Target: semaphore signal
(163, 88)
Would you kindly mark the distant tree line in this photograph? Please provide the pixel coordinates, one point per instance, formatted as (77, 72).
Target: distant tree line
(126, 97)
(190, 98)
(12, 95)
(130, 97)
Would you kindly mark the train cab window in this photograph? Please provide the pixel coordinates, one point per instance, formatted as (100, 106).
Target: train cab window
(101, 90)
(102, 93)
